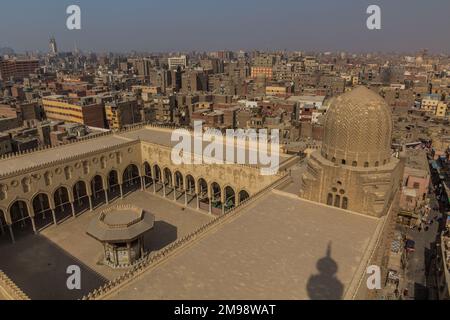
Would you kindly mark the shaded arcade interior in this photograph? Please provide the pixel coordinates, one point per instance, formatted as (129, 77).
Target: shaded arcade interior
(46, 209)
(44, 257)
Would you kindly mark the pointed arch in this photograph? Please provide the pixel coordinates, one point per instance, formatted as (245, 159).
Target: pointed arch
(230, 198)
(80, 196)
(131, 179)
(243, 196)
(61, 199)
(148, 178)
(42, 210)
(19, 212)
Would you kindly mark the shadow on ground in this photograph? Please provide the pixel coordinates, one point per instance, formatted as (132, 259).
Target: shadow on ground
(38, 267)
(420, 292)
(325, 285)
(161, 235)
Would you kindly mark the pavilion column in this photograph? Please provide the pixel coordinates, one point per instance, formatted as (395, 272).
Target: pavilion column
(174, 193)
(90, 203)
(73, 208)
(141, 247)
(11, 233)
(154, 186)
(198, 201)
(121, 191)
(129, 252)
(185, 198)
(142, 183)
(116, 256)
(164, 189)
(210, 205)
(54, 217)
(33, 224)
(223, 208)
(106, 196)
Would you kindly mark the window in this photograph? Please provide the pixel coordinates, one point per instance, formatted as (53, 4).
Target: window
(330, 199)
(337, 201)
(366, 164)
(344, 203)
(343, 161)
(354, 163)
(416, 185)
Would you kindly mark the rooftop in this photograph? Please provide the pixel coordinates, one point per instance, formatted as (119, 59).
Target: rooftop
(418, 161)
(280, 247)
(121, 223)
(161, 136)
(45, 156)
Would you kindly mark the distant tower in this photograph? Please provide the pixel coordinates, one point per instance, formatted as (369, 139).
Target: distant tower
(53, 47)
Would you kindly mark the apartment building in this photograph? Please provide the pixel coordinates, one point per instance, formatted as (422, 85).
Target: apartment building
(85, 111)
(17, 68)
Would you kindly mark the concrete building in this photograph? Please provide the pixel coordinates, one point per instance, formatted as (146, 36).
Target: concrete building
(5, 144)
(430, 103)
(17, 68)
(441, 109)
(85, 111)
(265, 72)
(9, 123)
(175, 62)
(193, 81)
(276, 91)
(416, 180)
(122, 112)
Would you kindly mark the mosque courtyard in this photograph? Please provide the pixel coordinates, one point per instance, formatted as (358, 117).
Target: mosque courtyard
(40, 267)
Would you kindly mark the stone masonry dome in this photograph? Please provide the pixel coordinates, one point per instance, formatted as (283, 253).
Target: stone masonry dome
(358, 129)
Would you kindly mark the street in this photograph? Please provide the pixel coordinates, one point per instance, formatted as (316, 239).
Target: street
(418, 266)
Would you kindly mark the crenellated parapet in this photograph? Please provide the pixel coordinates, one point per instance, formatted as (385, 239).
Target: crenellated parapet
(9, 290)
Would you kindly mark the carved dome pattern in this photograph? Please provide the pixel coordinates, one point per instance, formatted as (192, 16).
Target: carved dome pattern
(358, 129)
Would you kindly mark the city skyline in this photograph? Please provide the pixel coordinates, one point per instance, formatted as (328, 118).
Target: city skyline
(206, 26)
(202, 151)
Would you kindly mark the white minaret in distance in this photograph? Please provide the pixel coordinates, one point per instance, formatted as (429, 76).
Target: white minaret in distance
(53, 47)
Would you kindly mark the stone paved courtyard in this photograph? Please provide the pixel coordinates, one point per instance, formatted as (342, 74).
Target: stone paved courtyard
(37, 263)
(280, 247)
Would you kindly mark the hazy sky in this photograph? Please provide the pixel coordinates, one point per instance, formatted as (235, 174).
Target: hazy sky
(183, 25)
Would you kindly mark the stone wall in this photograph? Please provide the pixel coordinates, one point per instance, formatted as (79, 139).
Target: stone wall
(9, 290)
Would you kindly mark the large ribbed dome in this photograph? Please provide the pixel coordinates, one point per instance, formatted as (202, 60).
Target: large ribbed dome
(358, 129)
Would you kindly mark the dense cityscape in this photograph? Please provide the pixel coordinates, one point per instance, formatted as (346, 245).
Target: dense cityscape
(106, 118)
